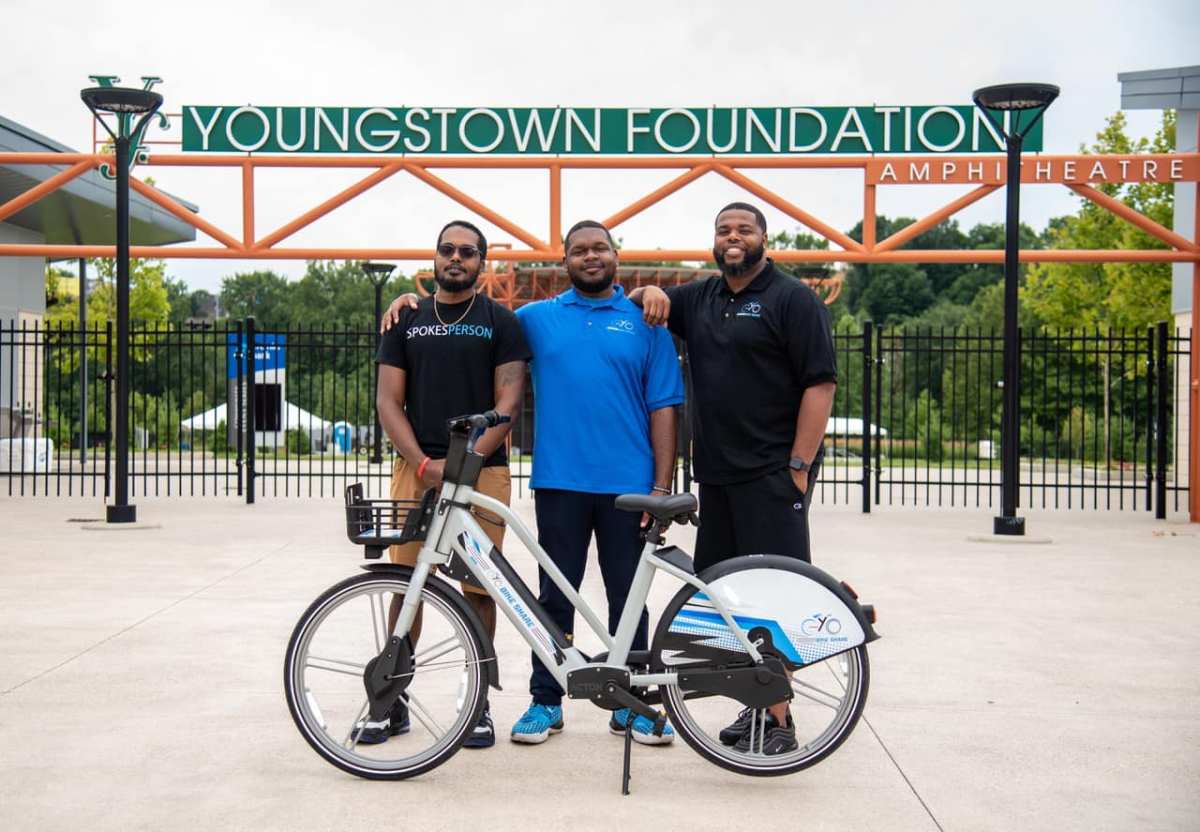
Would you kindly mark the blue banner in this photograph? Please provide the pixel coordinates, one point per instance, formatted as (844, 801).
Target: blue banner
(270, 353)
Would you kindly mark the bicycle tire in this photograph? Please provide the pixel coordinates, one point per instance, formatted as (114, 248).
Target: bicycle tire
(688, 725)
(448, 602)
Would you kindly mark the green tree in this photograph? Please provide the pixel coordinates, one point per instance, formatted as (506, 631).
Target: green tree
(891, 292)
(263, 294)
(1122, 296)
(178, 300)
(57, 281)
(202, 304)
(148, 303)
(336, 295)
(970, 278)
(1108, 297)
(887, 293)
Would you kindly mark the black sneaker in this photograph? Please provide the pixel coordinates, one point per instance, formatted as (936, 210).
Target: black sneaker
(484, 734)
(373, 733)
(733, 732)
(772, 740)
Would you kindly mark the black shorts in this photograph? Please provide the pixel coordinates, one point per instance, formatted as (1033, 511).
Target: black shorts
(764, 516)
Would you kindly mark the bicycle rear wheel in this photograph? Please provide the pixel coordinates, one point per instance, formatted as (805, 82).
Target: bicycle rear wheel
(330, 651)
(828, 694)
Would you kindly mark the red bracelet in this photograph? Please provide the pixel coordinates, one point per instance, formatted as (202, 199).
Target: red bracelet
(421, 467)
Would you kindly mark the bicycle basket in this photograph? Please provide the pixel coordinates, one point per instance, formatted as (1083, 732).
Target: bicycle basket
(378, 524)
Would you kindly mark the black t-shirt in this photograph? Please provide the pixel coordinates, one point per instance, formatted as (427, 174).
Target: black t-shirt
(751, 357)
(450, 367)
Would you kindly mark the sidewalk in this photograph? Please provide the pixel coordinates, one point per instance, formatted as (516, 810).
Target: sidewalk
(1016, 687)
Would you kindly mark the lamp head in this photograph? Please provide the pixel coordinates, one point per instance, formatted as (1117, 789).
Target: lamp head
(121, 100)
(378, 270)
(1015, 96)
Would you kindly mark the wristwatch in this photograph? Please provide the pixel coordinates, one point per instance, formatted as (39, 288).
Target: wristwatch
(797, 463)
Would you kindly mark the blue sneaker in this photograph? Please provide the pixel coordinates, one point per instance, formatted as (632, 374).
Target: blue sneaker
(643, 728)
(537, 724)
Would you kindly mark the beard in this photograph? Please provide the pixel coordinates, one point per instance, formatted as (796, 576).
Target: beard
(456, 283)
(749, 261)
(584, 283)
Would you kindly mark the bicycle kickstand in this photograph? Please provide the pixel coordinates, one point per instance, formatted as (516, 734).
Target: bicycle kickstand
(628, 749)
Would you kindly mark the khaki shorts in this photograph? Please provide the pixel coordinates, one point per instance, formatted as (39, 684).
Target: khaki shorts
(494, 481)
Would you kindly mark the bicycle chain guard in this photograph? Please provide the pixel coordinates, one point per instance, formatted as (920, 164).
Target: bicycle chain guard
(756, 686)
(388, 675)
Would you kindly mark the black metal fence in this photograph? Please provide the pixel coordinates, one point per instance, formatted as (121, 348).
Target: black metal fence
(916, 418)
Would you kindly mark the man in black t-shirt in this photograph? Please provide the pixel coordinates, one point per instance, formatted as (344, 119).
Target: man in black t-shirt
(761, 356)
(458, 352)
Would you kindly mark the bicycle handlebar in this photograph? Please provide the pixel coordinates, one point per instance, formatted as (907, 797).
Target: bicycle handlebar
(477, 421)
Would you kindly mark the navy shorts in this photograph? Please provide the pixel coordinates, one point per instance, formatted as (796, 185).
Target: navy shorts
(763, 516)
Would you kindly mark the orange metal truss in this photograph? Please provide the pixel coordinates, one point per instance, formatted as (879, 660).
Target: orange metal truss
(249, 244)
(1080, 173)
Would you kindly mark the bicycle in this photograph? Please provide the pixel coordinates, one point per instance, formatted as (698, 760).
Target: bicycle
(740, 635)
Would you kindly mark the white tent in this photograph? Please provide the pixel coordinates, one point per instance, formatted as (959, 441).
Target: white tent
(841, 426)
(293, 417)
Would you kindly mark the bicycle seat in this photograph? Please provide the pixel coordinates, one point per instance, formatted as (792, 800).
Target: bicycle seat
(669, 507)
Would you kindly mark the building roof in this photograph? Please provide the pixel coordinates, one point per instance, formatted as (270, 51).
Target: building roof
(1161, 89)
(84, 210)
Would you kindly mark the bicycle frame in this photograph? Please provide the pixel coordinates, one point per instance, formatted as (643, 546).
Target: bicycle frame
(455, 532)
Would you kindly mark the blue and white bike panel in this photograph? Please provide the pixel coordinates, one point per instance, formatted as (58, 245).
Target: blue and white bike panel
(802, 620)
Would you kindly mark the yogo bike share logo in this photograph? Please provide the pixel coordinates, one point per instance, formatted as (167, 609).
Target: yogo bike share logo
(820, 625)
(623, 325)
(751, 309)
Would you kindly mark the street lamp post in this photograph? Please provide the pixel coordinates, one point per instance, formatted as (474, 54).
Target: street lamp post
(83, 369)
(1017, 99)
(379, 273)
(127, 104)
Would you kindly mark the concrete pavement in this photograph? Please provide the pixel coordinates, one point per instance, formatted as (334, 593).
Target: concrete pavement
(1016, 687)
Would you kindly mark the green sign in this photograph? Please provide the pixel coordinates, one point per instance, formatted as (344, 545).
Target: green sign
(528, 131)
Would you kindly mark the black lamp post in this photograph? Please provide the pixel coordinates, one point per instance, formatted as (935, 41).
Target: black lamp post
(127, 104)
(1019, 99)
(379, 273)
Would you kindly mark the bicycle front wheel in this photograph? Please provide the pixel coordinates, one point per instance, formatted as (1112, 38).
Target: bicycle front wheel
(328, 656)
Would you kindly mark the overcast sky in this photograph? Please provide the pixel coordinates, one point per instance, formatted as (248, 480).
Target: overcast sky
(602, 54)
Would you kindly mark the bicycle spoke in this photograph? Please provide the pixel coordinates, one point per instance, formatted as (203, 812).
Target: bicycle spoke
(430, 662)
(440, 666)
(338, 668)
(844, 664)
(456, 646)
(422, 714)
(362, 712)
(831, 701)
(757, 735)
(335, 666)
(378, 620)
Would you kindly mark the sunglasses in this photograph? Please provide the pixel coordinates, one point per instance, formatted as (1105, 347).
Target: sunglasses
(464, 252)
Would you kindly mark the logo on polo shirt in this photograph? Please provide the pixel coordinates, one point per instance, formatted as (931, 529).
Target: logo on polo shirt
(623, 325)
(750, 309)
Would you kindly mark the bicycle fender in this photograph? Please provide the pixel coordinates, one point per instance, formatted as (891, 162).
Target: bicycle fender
(491, 661)
(792, 608)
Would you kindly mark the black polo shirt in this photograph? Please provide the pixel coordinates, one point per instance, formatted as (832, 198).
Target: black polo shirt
(751, 356)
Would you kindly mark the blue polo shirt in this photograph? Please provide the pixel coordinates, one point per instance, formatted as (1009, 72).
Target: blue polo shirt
(598, 373)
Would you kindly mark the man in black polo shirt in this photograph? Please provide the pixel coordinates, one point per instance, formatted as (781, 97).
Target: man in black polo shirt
(760, 350)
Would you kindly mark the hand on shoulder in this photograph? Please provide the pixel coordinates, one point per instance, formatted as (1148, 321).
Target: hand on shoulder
(391, 317)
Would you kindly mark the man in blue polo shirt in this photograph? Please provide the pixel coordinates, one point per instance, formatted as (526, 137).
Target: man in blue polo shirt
(605, 386)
